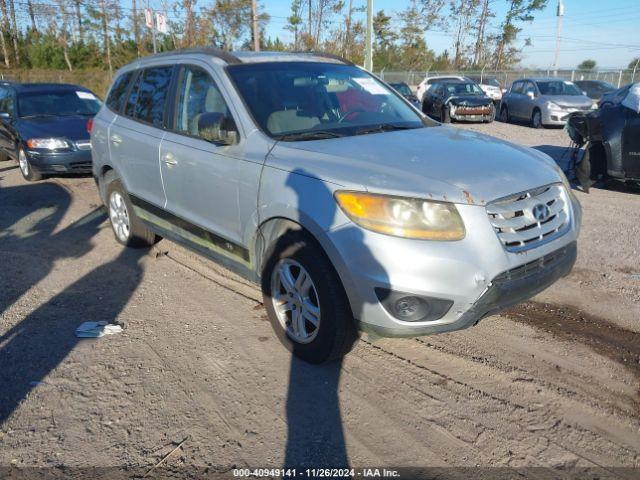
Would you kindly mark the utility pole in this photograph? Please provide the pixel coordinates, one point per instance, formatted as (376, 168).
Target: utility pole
(368, 54)
(560, 14)
(254, 26)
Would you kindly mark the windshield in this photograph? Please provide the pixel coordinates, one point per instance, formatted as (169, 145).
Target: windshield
(58, 102)
(403, 88)
(558, 87)
(462, 89)
(291, 99)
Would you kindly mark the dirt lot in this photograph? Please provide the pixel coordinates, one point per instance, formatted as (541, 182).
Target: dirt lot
(550, 384)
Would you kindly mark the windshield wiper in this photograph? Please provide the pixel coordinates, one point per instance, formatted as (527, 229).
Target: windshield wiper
(310, 135)
(384, 127)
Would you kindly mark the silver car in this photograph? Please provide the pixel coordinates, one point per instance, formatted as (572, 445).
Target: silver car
(543, 101)
(352, 209)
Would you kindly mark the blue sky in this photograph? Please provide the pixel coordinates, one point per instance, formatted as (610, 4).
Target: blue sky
(607, 31)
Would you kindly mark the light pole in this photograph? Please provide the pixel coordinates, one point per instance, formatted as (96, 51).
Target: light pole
(560, 14)
(368, 54)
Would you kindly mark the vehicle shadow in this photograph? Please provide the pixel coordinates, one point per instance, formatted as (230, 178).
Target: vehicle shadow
(6, 169)
(315, 431)
(30, 246)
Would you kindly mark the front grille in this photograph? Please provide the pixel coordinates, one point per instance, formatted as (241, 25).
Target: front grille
(529, 270)
(515, 222)
(80, 166)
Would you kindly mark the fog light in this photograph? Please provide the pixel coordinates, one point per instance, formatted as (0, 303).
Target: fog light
(412, 308)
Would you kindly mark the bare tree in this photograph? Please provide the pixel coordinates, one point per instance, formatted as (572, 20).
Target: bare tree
(518, 11)
(136, 26)
(461, 14)
(105, 35)
(32, 15)
(14, 32)
(480, 28)
(64, 35)
(188, 23)
(5, 31)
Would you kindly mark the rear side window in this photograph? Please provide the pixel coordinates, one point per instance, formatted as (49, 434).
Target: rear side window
(116, 97)
(149, 94)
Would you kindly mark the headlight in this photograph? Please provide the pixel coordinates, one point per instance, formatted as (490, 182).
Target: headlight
(402, 217)
(553, 106)
(47, 143)
(594, 106)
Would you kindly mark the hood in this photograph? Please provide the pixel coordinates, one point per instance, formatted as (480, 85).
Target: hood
(443, 163)
(573, 101)
(72, 127)
(469, 100)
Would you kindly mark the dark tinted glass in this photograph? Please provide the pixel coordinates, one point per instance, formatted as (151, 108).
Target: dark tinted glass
(133, 97)
(57, 103)
(558, 87)
(118, 91)
(152, 95)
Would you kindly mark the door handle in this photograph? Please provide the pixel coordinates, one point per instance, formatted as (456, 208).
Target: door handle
(169, 159)
(116, 139)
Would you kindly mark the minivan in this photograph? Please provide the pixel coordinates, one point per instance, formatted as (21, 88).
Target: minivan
(308, 175)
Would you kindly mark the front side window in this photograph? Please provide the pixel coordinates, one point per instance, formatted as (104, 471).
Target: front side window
(516, 87)
(6, 101)
(558, 87)
(529, 88)
(308, 100)
(200, 103)
(118, 91)
(57, 103)
(149, 94)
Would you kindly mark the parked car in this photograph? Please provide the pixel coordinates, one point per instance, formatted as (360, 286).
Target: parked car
(44, 127)
(595, 89)
(426, 84)
(308, 175)
(406, 92)
(490, 86)
(461, 100)
(543, 101)
(612, 138)
(611, 99)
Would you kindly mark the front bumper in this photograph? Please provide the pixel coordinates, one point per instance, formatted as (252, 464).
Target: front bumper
(73, 161)
(559, 117)
(476, 274)
(472, 114)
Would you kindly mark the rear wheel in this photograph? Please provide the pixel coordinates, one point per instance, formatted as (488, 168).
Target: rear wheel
(504, 114)
(29, 174)
(305, 301)
(127, 227)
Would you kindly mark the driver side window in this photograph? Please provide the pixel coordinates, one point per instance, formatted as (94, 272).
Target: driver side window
(200, 104)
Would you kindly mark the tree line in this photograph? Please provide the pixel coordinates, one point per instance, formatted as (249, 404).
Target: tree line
(105, 34)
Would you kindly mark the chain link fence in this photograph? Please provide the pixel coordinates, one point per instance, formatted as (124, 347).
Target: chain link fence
(96, 81)
(618, 78)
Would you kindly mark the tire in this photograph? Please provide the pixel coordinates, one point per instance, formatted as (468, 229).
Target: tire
(28, 173)
(334, 334)
(504, 114)
(445, 115)
(127, 227)
(536, 119)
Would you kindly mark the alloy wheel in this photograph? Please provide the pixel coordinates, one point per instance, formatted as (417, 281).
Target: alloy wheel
(119, 216)
(295, 300)
(24, 163)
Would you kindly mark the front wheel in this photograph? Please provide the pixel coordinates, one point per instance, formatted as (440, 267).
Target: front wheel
(445, 115)
(536, 119)
(29, 174)
(305, 301)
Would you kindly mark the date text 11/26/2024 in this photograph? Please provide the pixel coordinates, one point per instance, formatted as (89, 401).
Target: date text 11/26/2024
(316, 472)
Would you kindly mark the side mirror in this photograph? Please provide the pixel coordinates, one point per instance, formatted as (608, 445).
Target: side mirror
(531, 95)
(216, 128)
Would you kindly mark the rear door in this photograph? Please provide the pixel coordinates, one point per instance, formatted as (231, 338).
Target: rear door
(515, 100)
(135, 136)
(209, 185)
(7, 135)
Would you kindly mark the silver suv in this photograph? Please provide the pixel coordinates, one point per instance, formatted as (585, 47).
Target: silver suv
(543, 101)
(310, 176)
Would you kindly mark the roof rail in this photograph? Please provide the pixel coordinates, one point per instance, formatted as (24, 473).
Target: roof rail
(214, 52)
(325, 55)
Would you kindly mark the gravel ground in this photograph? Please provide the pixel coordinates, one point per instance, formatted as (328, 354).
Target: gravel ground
(551, 384)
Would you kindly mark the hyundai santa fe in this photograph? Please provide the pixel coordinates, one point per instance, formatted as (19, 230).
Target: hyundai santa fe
(353, 210)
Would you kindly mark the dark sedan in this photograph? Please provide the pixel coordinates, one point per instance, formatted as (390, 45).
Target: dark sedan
(404, 90)
(44, 127)
(458, 100)
(595, 89)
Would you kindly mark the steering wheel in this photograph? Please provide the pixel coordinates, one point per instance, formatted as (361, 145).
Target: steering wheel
(350, 112)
